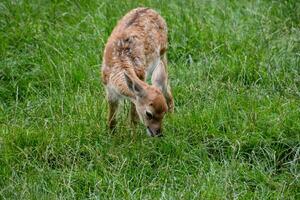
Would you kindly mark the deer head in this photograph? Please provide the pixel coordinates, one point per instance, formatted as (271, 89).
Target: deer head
(150, 104)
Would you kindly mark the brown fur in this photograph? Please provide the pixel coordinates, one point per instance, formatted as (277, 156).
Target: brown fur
(137, 48)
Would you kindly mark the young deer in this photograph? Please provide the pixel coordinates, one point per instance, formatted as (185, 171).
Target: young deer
(135, 50)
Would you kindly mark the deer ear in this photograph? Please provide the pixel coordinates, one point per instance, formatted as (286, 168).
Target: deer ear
(129, 82)
(134, 87)
(159, 77)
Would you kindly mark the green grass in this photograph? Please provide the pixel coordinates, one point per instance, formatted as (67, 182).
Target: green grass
(235, 71)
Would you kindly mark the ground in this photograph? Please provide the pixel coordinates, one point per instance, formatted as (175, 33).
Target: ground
(234, 68)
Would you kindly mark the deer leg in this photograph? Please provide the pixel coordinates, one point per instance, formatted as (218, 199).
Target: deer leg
(133, 114)
(112, 109)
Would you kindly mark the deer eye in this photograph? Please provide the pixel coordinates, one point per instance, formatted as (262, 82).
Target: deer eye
(149, 115)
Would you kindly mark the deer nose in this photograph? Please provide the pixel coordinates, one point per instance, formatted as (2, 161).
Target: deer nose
(158, 131)
(160, 135)
(154, 133)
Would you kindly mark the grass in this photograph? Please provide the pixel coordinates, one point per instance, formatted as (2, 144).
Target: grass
(235, 71)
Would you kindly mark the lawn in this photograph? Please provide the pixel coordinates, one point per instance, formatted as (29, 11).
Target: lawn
(234, 67)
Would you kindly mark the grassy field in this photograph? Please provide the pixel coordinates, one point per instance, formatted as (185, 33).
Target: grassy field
(235, 71)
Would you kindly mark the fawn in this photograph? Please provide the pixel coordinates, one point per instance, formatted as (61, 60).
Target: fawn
(136, 50)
